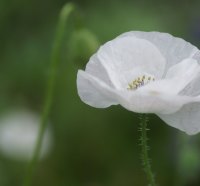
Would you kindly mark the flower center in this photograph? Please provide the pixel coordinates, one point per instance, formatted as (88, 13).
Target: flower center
(140, 81)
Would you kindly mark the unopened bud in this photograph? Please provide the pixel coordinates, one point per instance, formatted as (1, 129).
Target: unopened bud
(82, 45)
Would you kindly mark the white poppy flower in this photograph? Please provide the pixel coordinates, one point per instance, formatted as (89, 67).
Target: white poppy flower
(146, 72)
(18, 135)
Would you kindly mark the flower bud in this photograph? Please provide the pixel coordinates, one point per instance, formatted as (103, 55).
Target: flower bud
(82, 45)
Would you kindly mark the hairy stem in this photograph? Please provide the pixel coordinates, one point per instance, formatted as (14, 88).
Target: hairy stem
(64, 14)
(146, 163)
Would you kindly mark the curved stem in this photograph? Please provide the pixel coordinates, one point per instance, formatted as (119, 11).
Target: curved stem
(64, 14)
(145, 156)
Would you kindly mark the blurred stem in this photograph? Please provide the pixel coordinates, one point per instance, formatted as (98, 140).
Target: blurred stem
(145, 156)
(55, 58)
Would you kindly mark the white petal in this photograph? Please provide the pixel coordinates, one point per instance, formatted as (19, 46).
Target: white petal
(193, 89)
(177, 78)
(122, 57)
(94, 92)
(183, 73)
(186, 67)
(98, 69)
(186, 119)
(156, 102)
(174, 49)
(164, 86)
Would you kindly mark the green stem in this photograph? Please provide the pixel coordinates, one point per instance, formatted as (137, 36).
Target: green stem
(64, 14)
(145, 156)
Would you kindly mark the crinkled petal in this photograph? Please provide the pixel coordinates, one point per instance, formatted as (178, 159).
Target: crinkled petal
(186, 119)
(118, 60)
(97, 68)
(193, 88)
(177, 78)
(174, 49)
(184, 68)
(183, 73)
(156, 102)
(94, 92)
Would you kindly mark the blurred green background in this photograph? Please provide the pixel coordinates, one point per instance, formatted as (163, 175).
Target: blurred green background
(92, 147)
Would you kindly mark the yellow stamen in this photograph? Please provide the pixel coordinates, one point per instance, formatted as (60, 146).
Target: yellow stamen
(140, 81)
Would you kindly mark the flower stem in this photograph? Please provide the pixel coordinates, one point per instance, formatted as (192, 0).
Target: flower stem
(64, 14)
(146, 163)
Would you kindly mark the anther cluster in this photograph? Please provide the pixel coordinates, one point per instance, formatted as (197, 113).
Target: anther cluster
(139, 82)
